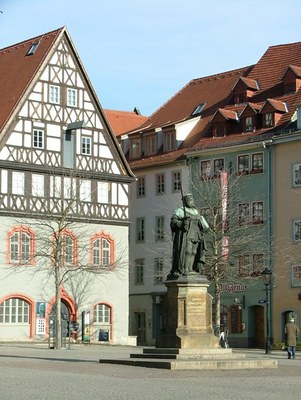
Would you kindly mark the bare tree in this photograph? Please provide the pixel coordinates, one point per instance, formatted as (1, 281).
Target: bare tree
(236, 229)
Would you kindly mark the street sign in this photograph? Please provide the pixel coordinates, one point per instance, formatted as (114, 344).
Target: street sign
(262, 301)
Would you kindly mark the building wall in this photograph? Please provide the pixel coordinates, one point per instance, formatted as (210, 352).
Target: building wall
(36, 283)
(144, 296)
(287, 253)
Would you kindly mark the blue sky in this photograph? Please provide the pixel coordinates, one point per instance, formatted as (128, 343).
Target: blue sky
(140, 53)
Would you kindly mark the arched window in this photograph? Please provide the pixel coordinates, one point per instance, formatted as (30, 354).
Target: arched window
(21, 246)
(102, 314)
(14, 311)
(102, 250)
(65, 248)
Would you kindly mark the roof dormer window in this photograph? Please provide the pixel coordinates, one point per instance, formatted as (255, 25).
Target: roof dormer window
(33, 49)
(198, 109)
(268, 120)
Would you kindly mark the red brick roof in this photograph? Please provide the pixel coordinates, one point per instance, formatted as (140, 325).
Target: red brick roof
(18, 69)
(124, 121)
(217, 95)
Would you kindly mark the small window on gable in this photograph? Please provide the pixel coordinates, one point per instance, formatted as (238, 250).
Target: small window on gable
(71, 97)
(54, 94)
(38, 138)
(86, 145)
(33, 48)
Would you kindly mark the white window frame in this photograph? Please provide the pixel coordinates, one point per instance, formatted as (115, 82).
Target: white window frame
(102, 314)
(141, 186)
(18, 183)
(160, 184)
(14, 311)
(54, 94)
(103, 192)
(20, 243)
(139, 271)
(176, 181)
(71, 97)
(86, 145)
(85, 190)
(38, 138)
(38, 186)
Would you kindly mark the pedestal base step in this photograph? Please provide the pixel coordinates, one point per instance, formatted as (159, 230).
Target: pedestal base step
(187, 354)
(189, 359)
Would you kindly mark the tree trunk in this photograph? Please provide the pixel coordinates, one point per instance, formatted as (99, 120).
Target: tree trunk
(58, 319)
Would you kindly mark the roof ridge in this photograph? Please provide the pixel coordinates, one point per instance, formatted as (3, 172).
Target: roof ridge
(221, 74)
(19, 44)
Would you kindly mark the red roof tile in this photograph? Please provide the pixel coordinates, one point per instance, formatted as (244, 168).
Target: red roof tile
(216, 92)
(124, 121)
(18, 69)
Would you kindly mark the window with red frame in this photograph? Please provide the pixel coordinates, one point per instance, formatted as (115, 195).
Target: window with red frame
(21, 246)
(65, 245)
(102, 250)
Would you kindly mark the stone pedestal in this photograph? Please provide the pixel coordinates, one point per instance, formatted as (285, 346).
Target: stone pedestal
(187, 315)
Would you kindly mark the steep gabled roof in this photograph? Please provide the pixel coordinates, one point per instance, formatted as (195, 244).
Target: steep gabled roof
(20, 67)
(17, 70)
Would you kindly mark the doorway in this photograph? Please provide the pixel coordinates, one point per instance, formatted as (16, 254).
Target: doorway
(140, 328)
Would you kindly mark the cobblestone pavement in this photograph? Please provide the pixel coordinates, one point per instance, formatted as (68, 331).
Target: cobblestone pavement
(35, 372)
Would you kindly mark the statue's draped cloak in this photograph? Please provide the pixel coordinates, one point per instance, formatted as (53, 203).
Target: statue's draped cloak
(195, 232)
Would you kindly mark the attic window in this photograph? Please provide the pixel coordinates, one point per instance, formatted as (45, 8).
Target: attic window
(198, 109)
(32, 49)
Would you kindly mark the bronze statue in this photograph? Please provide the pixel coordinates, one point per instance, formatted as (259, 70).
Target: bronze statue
(189, 245)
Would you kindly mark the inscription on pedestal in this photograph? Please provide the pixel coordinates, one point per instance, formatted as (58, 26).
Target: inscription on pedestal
(196, 305)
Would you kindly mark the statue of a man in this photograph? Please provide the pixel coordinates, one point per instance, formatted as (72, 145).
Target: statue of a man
(189, 245)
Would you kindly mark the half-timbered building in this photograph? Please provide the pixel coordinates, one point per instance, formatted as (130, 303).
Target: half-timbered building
(58, 153)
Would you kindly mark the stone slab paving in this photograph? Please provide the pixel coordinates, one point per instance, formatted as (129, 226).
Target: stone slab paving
(34, 372)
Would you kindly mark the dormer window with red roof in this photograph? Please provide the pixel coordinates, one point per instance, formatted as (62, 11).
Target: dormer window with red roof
(224, 121)
(271, 112)
(249, 117)
(291, 79)
(244, 89)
